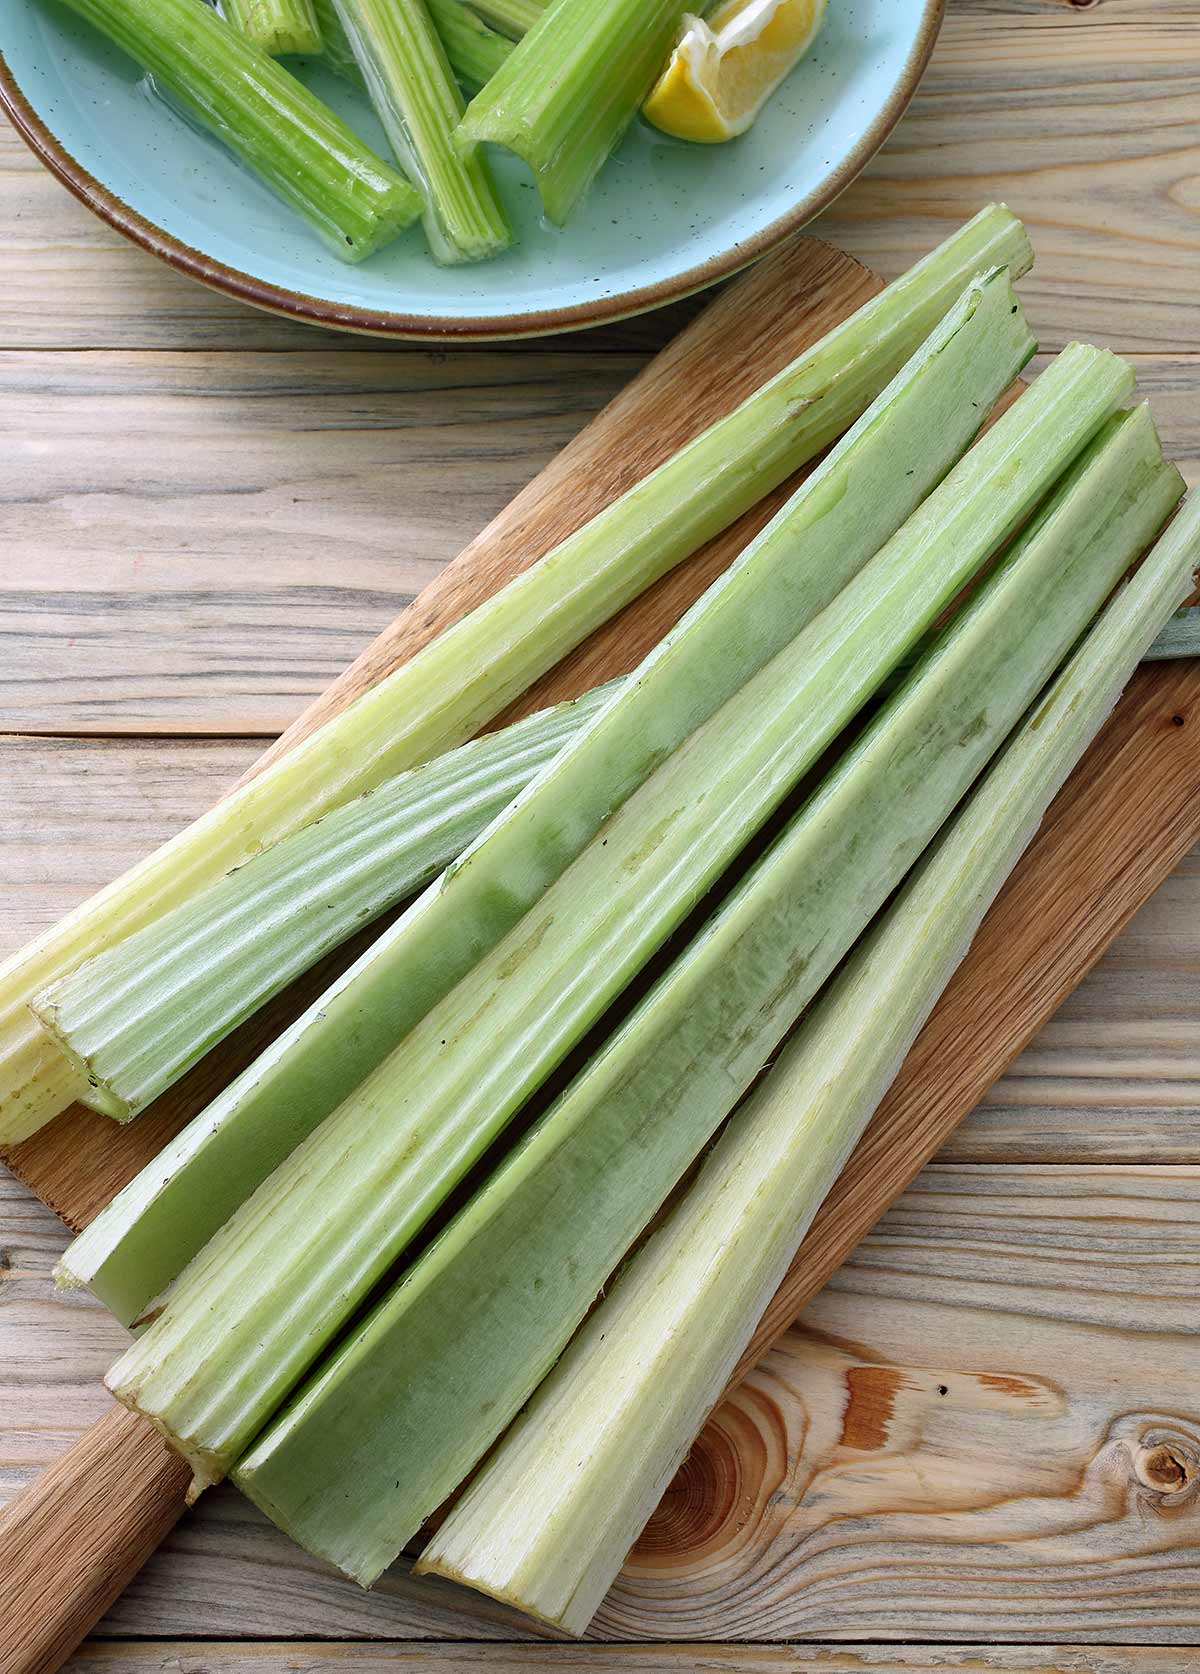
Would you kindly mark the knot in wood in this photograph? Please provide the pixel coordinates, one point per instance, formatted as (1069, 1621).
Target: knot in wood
(701, 1499)
(1167, 1469)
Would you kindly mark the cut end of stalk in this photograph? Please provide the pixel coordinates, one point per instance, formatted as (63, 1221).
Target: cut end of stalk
(90, 1090)
(399, 208)
(558, 196)
(65, 1278)
(280, 27)
(207, 1472)
(486, 233)
(1020, 262)
(289, 42)
(50, 1085)
(362, 1575)
(448, 1571)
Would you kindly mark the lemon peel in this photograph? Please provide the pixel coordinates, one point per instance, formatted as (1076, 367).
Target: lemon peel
(722, 70)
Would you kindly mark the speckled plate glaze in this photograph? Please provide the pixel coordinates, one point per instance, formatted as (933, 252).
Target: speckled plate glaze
(664, 218)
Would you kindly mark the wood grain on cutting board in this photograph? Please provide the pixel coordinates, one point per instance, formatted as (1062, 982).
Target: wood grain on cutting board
(64, 1558)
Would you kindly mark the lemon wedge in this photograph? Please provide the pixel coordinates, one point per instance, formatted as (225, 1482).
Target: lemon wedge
(723, 70)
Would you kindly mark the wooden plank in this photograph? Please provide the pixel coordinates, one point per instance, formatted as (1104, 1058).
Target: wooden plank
(756, 327)
(986, 1426)
(75, 813)
(109, 294)
(303, 1657)
(228, 531)
(1085, 120)
(1083, 117)
(751, 331)
(224, 1563)
(1141, 216)
(839, 1494)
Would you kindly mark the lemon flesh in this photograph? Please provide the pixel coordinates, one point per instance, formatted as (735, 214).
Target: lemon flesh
(722, 71)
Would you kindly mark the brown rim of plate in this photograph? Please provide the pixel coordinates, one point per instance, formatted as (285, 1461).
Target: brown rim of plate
(312, 310)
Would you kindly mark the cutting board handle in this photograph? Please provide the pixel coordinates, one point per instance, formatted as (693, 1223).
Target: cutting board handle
(75, 1538)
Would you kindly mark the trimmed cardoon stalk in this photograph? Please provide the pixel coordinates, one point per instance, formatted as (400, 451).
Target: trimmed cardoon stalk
(267, 118)
(475, 51)
(563, 100)
(135, 1018)
(419, 103)
(546, 1524)
(470, 672)
(395, 1419)
(274, 1286)
(277, 26)
(513, 18)
(150, 1231)
(796, 566)
(335, 48)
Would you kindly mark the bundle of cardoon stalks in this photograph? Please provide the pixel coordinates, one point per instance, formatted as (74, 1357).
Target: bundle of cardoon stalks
(469, 674)
(410, 1401)
(547, 1522)
(496, 972)
(384, 1239)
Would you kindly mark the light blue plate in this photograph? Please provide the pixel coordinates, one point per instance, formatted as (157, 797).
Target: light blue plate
(664, 218)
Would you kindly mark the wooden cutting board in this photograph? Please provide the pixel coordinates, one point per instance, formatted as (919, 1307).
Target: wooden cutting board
(74, 1539)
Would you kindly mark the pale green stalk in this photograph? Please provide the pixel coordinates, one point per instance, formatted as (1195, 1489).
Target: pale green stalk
(1180, 637)
(513, 18)
(469, 673)
(277, 26)
(851, 505)
(565, 97)
(395, 1419)
(335, 48)
(137, 1016)
(549, 1519)
(419, 103)
(150, 1231)
(275, 1285)
(475, 51)
(267, 118)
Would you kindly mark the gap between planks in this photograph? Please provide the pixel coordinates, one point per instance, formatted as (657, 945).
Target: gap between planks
(306, 1656)
(1099, 157)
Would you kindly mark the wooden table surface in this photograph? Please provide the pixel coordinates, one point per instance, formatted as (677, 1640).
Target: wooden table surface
(980, 1448)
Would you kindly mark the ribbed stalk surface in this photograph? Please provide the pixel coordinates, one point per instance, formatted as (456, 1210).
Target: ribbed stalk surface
(411, 1401)
(549, 1519)
(275, 1285)
(563, 100)
(278, 26)
(139, 1015)
(472, 670)
(265, 116)
(416, 97)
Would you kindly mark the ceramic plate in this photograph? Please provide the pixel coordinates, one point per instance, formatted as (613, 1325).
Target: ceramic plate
(663, 219)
